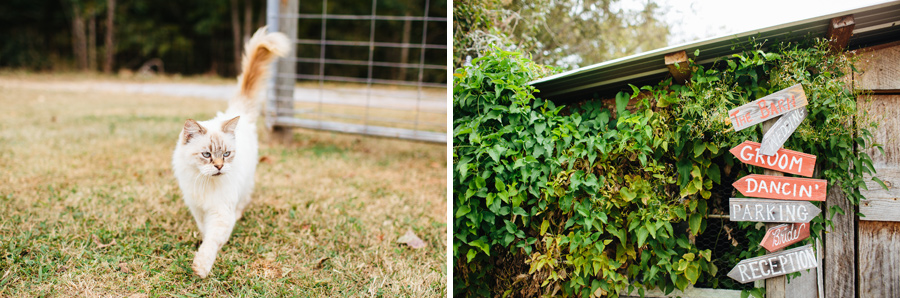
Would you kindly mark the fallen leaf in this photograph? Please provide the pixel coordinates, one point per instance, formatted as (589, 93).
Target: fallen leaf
(321, 262)
(380, 237)
(124, 267)
(101, 245)
(412, 240)
(265, 159)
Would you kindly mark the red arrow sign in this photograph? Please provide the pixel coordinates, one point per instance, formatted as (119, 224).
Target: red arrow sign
(782, 188)
(787, 161)
(782, 236)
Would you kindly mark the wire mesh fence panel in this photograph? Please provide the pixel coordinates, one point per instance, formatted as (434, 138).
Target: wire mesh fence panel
(374, 68)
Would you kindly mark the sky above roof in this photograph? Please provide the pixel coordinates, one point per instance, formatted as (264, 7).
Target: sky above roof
(692, 20)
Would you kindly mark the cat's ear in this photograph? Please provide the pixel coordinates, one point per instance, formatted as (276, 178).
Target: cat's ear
(230, 125)
(191, 129)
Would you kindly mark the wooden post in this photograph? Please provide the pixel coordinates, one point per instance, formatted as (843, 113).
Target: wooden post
(678, 66)
(284, 80)
(839, 31)
(775, 286)
(778, 287)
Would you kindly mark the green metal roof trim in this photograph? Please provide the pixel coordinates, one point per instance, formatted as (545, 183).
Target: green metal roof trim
(874, 25)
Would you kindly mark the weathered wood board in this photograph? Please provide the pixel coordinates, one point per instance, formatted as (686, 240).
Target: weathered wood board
(775, 264)
(761, 210)
(787, 161)
(784, 235)
(840, 246)
(768, 107)
(781, 131)
(882, 204)
(879, 68)
(879, 259)
(782, 188)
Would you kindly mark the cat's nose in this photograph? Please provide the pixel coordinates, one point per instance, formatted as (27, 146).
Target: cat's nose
(218, 167)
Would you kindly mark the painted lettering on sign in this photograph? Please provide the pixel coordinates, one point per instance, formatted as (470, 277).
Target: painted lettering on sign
(787, 161)
(761, 210)
(768, 107)
(781, 130)
(782, 236)
(782, 188)
(775, 264)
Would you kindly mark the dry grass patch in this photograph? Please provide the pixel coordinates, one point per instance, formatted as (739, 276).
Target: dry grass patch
(326, 214)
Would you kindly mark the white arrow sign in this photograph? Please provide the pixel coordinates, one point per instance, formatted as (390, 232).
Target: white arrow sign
(781, 130)
(774, 264)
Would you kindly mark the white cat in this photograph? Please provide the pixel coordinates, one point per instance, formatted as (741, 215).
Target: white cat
(215, 160)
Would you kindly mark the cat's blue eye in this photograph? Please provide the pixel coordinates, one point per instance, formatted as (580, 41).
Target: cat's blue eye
(206, 154)
(227, 153)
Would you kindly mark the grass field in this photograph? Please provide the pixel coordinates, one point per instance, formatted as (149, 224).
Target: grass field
(82, 170)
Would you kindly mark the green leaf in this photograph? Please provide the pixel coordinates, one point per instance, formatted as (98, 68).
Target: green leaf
(880, 182)
(544, 226)
(692, 273)
(471, 255)
(642, 234)
(481, 243)
(627, 194)
(621, 103)
(714, 173)
(539, 127)
(699, 147)
(694, 222)
(463, 210)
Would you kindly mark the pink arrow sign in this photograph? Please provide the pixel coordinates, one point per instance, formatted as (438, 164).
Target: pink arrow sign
(786, 161)
(782, 236)
(782, 188)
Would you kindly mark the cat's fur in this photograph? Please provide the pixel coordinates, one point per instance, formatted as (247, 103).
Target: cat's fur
(215, 160)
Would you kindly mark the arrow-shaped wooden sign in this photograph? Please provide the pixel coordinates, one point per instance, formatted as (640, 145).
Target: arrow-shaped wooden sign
(787, 161)
(775, 264)
(782, 236)
(768, 107)
(761, 210)
(782, 188)
(781, 130)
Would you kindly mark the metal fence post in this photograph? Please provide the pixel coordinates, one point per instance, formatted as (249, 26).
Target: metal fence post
(285, 69)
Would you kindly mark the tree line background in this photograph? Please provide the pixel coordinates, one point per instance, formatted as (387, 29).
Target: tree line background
(563, 33)
(201, 36)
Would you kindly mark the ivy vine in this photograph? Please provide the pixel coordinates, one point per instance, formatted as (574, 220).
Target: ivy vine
(602, 200)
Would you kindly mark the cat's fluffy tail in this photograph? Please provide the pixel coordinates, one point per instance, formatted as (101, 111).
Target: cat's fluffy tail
(258, 54)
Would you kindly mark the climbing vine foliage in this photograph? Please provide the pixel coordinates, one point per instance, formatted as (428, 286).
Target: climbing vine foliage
(605, 198)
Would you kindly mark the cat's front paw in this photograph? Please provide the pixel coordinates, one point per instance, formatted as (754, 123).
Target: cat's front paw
(202, 265)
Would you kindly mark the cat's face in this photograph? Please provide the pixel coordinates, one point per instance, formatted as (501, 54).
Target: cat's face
(211, 151)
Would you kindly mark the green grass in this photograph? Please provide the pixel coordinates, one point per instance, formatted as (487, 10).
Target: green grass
(325, 216)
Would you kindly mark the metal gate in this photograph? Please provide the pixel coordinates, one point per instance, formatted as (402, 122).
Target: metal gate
(390, 85)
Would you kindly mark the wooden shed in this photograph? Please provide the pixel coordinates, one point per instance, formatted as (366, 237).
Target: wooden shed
(861, 253)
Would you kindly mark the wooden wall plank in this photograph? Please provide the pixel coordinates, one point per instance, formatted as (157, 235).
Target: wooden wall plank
(879, 259)
(879, 68)
(881, 204)
(840, 247)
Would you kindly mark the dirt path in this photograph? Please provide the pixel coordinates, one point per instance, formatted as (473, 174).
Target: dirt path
(429, 100)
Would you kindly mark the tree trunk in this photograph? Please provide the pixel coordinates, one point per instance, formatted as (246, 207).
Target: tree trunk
(248, 19)
(79, 42)
(92, 40)
(261, 18)
(110, 28)
(236, 30)
(404, 52)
